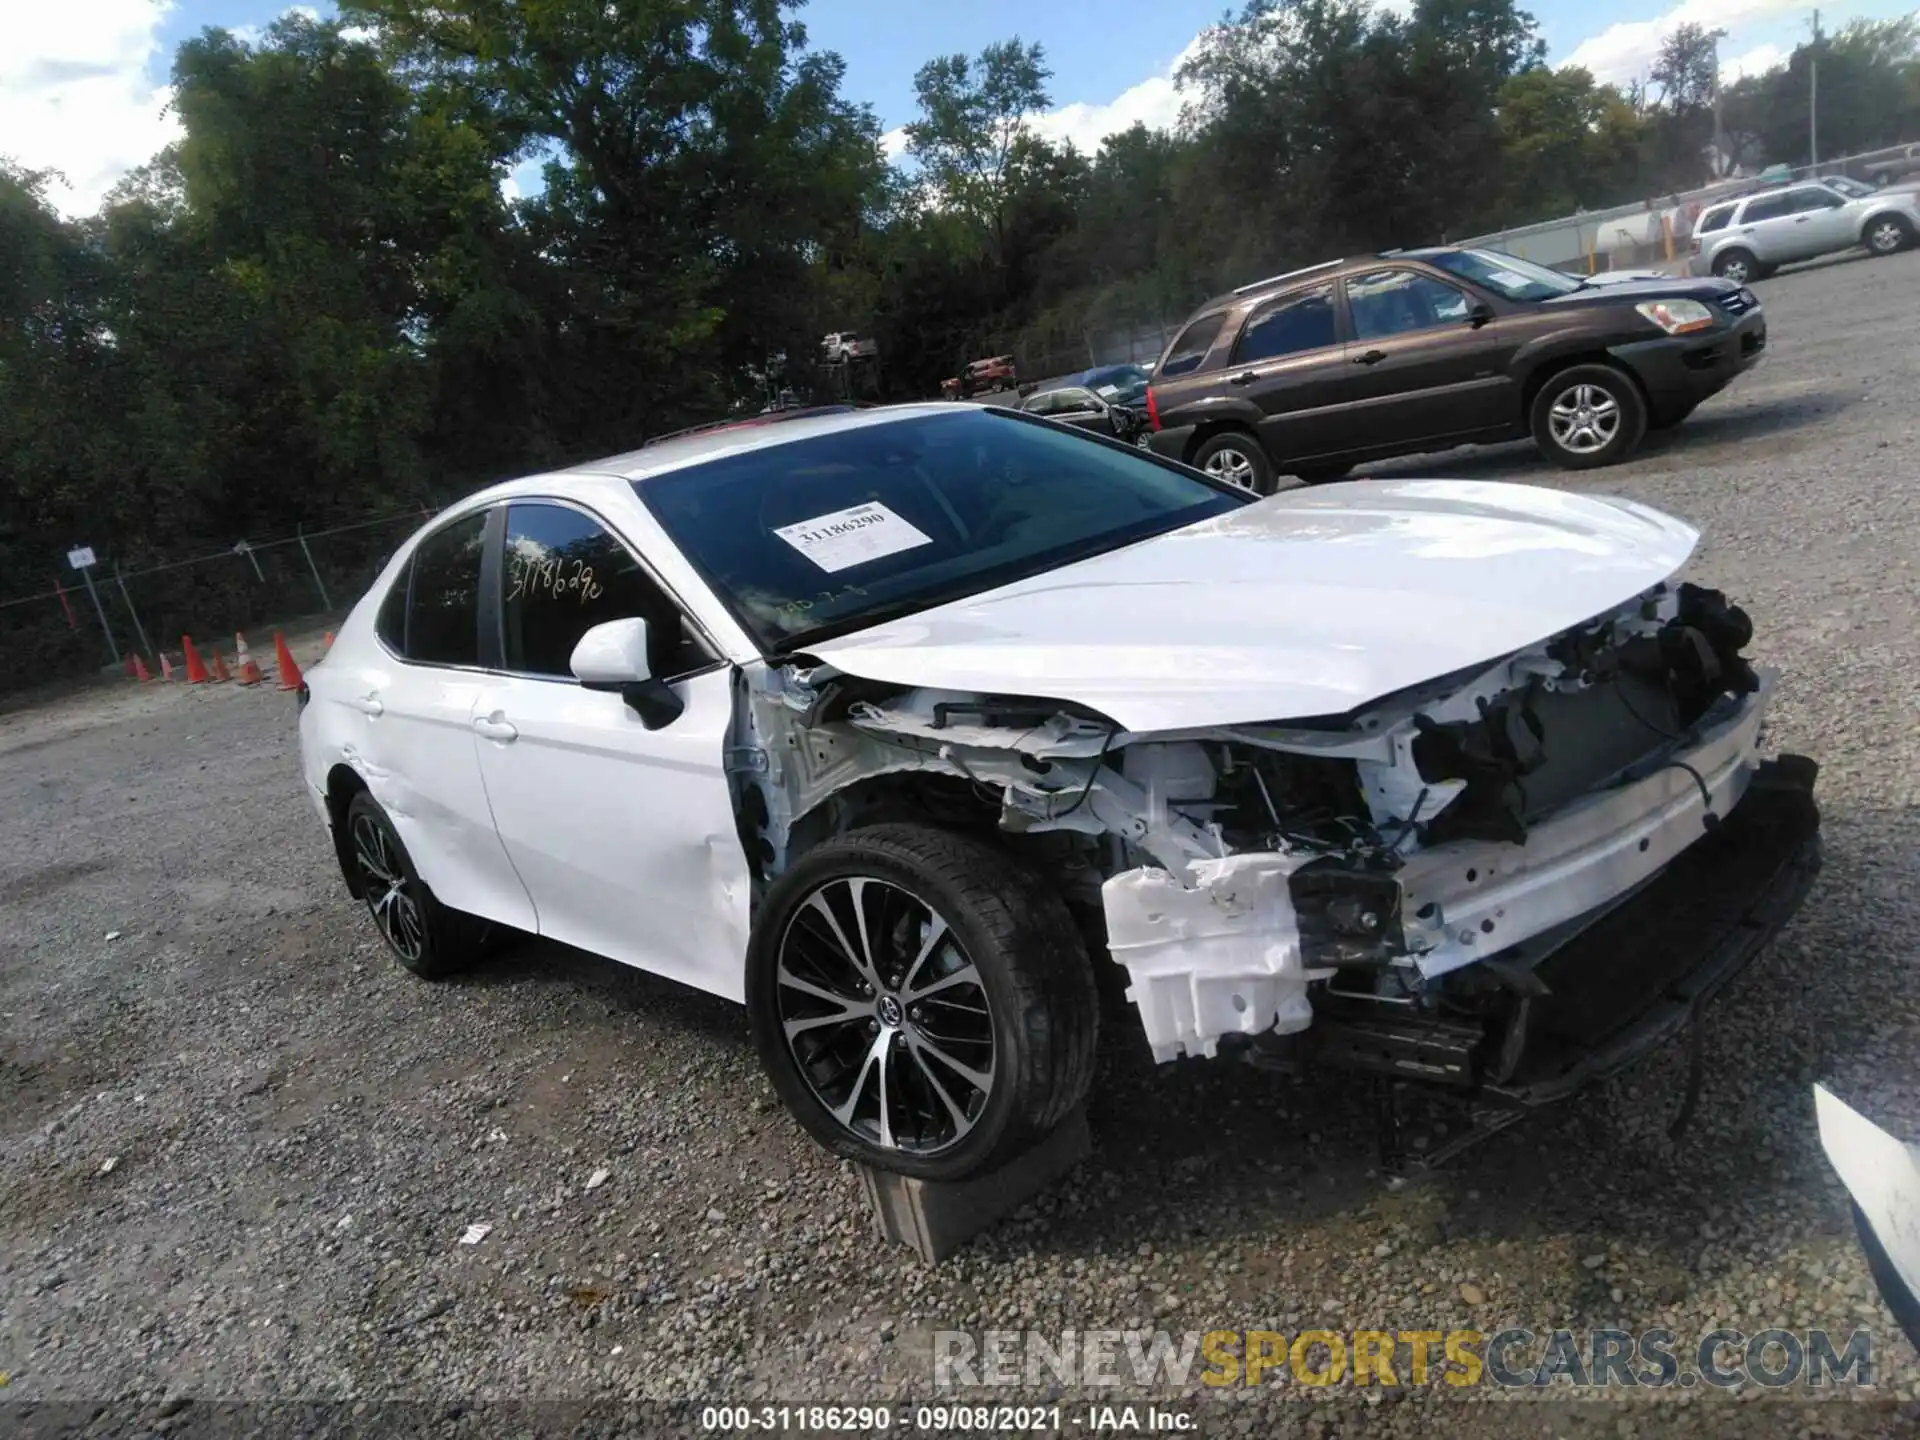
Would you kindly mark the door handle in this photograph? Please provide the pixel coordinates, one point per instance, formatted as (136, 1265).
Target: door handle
(1801, 219)
(369, 705)
(495, 727)
(1371, 357)
(1246, 379)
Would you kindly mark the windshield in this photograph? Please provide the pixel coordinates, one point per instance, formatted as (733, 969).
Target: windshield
(820, 537)
(1505, 274)
(1851, 188)
(1124, 384)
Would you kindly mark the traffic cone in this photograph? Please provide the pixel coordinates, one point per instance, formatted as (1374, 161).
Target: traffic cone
(129, 664)
(140, 669)
(326, 642)
(243, 661)
(196, 667)
(220, 672)
(283, 662)
(166, 666)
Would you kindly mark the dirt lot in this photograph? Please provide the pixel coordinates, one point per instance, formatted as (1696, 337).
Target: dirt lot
(238, 1147)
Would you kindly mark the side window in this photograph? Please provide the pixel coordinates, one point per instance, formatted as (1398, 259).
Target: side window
(1290, 325)
(1814, 197)
(564, 574)
(443, 616)
(1192, 346)
(391, 623)
(1073, 401)
(1766, 207)
(1398, 302)
(1714, 220)
(1041, 404)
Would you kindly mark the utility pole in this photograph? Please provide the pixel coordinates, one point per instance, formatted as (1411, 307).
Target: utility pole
(1813, 97)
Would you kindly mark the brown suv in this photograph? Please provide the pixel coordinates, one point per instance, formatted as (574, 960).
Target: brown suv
(1313, 372)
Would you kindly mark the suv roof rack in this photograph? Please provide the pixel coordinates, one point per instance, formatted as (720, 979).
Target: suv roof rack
(1289, 275)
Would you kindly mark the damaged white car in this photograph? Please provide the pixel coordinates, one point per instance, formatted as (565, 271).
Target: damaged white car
(904, 726)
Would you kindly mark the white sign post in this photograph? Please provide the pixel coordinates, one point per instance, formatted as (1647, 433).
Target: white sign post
(81, 558)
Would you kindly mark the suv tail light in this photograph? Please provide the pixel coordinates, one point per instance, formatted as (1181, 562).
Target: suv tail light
(1153, 409)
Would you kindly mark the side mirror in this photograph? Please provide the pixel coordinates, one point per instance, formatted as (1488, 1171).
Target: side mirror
(1479, 313)
(613, 657)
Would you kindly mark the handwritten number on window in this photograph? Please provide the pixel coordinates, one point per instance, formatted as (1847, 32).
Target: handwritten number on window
(553, 578)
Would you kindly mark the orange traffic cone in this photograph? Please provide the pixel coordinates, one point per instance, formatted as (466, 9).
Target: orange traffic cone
(196, 668)
(166, 666)
(283, 662)
(326, 642)
(129, 664)
(243, 661)
(220, 672)
(140, 669)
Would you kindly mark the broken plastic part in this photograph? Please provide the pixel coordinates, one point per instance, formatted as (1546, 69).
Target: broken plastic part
(1217, 956)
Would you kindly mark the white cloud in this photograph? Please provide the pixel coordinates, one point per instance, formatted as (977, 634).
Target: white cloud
(893, 144)
(1627, 51)
(1155, 102)
(75, 93)
(1757, 61)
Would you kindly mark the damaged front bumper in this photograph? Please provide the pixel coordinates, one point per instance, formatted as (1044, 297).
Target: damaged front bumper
(1504, 947)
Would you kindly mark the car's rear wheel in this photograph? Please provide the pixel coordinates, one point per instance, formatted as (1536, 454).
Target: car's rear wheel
(427, 937)
(921, 1003)
(1888, 234)
(1587, 416)
(1739, 266)
(1236, 457)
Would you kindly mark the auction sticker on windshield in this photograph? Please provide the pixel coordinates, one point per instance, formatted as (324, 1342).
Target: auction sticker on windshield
(845, 538)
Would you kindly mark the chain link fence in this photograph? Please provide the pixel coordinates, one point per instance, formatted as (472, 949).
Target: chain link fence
(85, 620)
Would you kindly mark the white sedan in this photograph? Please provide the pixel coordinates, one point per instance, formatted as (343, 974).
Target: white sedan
(905, 727)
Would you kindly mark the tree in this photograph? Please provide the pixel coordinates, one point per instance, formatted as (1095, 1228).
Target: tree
(974, 131)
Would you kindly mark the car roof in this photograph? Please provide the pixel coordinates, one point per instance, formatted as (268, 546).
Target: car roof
(1240, 294)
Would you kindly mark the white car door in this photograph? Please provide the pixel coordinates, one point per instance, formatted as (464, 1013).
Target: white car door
(411, 726)
(1767, 227)
(1821, 221)
(624, 836)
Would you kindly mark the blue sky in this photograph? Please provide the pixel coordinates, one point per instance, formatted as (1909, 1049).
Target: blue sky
(82, 81)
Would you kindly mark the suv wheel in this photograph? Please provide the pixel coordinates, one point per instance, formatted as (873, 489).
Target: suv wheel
(921, 1003)
(1737, 266)
(1587, 416)
(1887, 234)
(1236, 457)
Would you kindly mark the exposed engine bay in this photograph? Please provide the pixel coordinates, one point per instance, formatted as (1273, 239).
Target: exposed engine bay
(1422, 855)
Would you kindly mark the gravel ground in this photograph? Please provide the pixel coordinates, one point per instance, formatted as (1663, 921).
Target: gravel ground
(238, 1146)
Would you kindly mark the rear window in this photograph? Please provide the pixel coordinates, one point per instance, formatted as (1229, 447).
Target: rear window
(443, 611)
(1714, 219)
(831, 534)
(1192, 346)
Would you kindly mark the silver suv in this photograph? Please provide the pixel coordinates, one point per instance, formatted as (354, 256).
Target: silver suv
(1748, 238)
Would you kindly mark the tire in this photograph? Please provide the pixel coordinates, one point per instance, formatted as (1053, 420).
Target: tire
(1737, 265)
(1587, 416)
(1887, 235)
(425, 936)
(1236, 457)
(1025, 1023)
(1322, 474)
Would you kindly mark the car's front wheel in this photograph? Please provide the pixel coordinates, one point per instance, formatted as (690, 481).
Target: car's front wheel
(1587, 416)
(1236, 457)
(427, 937)
(921, 1003)
(1888, 234)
